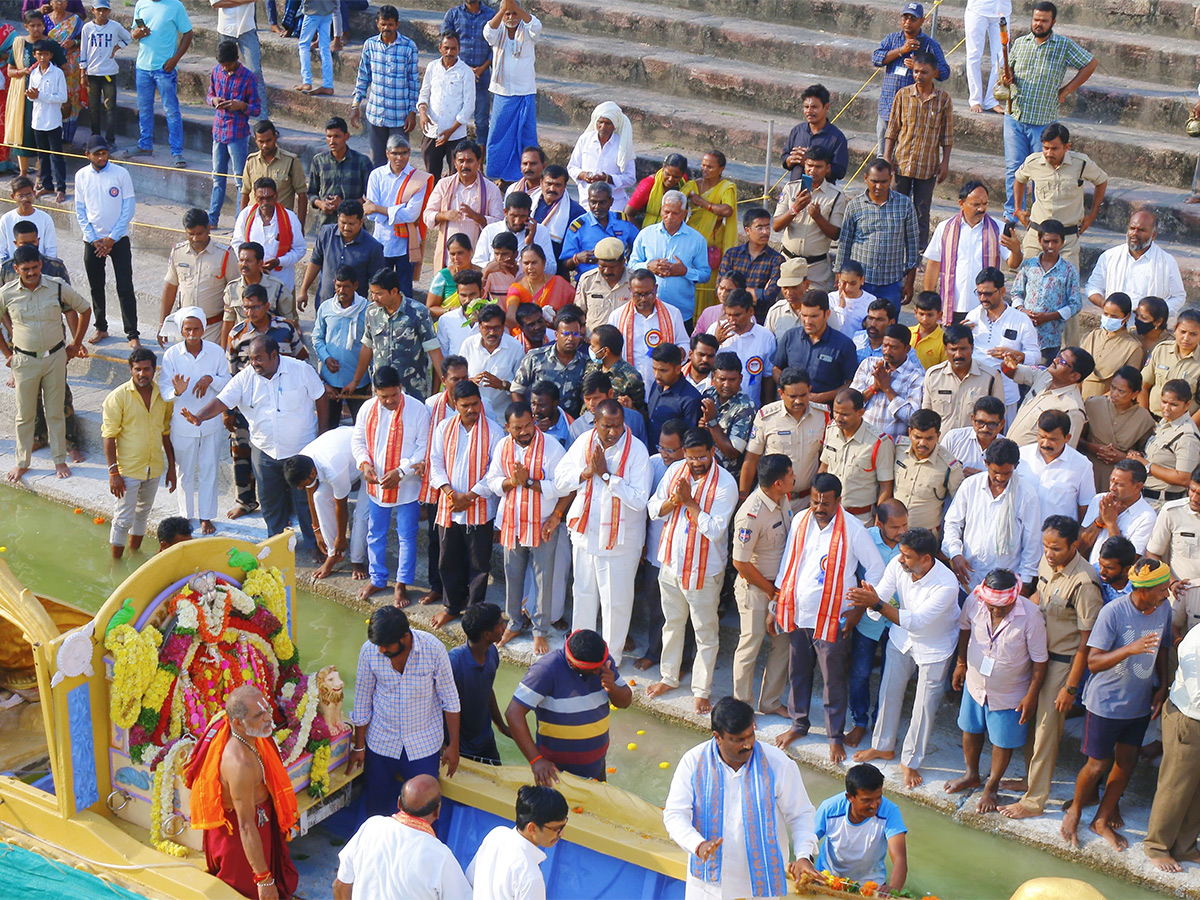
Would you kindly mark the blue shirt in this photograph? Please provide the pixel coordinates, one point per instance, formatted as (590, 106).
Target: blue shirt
(686, 246)
(166, 19)
(475, 683)
(899, 75)
(869, 627)
(1108, 593)
(586, 232)
(856, 851)
(831, 362)
(1124, 691)
(388, 79)
(472, 48)
(680, 401)
(337, 335)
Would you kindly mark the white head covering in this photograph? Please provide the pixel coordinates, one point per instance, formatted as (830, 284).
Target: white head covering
(624, 129)
(172, 327)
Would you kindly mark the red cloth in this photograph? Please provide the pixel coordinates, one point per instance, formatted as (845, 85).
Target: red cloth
(226, 858)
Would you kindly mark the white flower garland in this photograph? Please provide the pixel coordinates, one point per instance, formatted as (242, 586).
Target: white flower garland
(242, 601)
(309, 703)
(162, 798)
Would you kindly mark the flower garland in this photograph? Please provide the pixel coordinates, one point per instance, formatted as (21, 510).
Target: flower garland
(135, 664)
(318, 779)
(162, 798)
(266, 586)
(307, 711)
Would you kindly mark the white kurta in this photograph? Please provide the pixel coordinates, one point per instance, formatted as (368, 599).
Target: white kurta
(590, 155)
(458, 477)
(645, 325)
(386, 859)
(713, 525)
(412, 450)
(632, 489)
(810, 578)
(268, 236)
(210, 362)
(1154, 274)
(972, 521)
(551, 457)
(505, 867)
(969, 261)
(333, 459)
(502, 362)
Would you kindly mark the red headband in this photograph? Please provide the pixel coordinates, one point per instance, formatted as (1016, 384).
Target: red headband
(999, 598)
(580, 664)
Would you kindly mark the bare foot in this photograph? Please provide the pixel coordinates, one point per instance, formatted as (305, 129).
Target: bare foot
(644, 663)
(207, 526)
(97, 337)
(957, 785)
(1018, 811)
(38, 444)
(509, 635)
(1116, 839)
(1116, 820)
(62, 470)
(1017, 785)
(16, 473)
(1166, 863)
(870, 754)
(321, 92)
(302, 88)
(854, 738)
(988, 802)
(278, 30)
(561, 625)
(997, 110)
(703, 706)
(541, 646)
(338, 44)
(135, 344)
(40, 192)
(976, 108)
(76, 455)
(325, 569)
(912, 777)
(837, 753)
(777, 711)
(658, 689)
(789, 737)
(1152, 750)
(629, 645)
(358, 571)
(370, 588)
(1194, 198)
(400, 598)
(431, 597)
(1070, 825)
(444, 618)
(237, 512)
(60, 197)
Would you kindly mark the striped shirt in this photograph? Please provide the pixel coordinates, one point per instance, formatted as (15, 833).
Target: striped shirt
(403, 710)
(572, 712)
(1039, 70)
(388, 80)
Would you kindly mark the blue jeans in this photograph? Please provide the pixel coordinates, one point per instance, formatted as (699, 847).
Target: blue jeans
(165, 84)
(221, 155)
(322, 27)
(863, 651)
(379, 520)
(893, 291)
(1020, 140)
(250, 50)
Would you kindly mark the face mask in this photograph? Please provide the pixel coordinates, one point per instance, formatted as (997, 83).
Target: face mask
(1112, 323)
(595, 357)
(1143, 327)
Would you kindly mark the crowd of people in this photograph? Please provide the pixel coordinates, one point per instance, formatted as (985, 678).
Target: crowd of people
(660, 422)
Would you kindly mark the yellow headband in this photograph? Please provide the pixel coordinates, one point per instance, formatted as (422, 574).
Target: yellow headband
(1150, 575)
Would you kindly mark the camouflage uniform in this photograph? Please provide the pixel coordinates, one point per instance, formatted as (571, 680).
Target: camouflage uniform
(735, 418)
(543, 363)
(402, 340)
(626, 381)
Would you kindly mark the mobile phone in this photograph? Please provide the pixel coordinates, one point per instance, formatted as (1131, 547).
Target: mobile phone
(1008, 229)
(140, 23)
(806, 183)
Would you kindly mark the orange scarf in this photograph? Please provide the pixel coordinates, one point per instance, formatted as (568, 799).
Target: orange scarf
(665, 331)
(392, 447)
(529, 501)
(477, 463)
(203, 778)
(692, 576)
(403, 195)
(580, 523)
(830, 609)
(285, 228)
(413, 822)
(441, 408)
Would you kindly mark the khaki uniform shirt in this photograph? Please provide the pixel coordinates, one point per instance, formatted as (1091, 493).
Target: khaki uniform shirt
(1126, 431)
(202, 277)
(774, 431)
(1166, 364)
(286, 169)
(861, 462)
(1041, 398)
(1069, 600)
(37, 315)
(281, 301)
(953, 399)
(1176, 541)
(760, 531)
(137, 429)
(1059, 192)
(596, 298)
(1174, 445)
(781, 317)
(1110, 350)
(923, 485)
(802, 237)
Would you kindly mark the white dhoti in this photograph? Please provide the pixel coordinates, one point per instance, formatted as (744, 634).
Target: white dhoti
(197, 458)
(604, 586)
(701, 606)
(326, 506)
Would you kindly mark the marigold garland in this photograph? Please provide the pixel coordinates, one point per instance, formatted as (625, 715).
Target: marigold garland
(135, 664)
(318, 778)
(162, 798)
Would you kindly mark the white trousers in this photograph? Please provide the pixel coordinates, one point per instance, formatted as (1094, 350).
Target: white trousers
(931, 684)
(701, 606)
(604, 587)
(326, 505)
(558, 585)
(196, 464)
(981, 29)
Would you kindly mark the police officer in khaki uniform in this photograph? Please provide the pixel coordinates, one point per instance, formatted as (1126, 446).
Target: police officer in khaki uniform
(605, 288)
(811, 220)
(926, 473)
(862, 459)
(1176, 541)
(1173, 448)
(38, 353)
(792, 427)
(272, 161)
(952, 387)
(760, 531)
(198, 271)
(1069, 601)
(1179, 358)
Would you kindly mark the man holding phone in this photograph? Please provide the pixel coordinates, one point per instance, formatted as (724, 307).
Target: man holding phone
(816, 131)
(895, 55)
(809, 216)
(164, 34)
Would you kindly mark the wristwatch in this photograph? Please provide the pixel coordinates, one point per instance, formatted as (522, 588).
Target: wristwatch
(1071, 690)
(878, 606)
(605, 477)
(528, 482)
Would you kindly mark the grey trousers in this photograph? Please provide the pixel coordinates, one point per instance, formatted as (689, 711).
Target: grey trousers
(516, 561)
(931, 685)
(806, 652)
(132, 511)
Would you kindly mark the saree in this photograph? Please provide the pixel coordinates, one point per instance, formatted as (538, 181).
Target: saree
(17, 109)
(720, 233)
(556, 293)
(70, 29)
(648, 196)
(8, 36)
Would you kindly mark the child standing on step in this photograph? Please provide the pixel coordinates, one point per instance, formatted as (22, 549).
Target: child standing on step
(48, 91)
(98, 46)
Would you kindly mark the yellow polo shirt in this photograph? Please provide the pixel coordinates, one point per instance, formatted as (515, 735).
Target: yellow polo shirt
(138, 430)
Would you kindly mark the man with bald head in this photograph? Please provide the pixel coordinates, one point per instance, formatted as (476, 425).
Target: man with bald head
(385, 859)
(1139, 267)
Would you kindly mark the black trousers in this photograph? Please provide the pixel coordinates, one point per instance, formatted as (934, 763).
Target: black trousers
(434, 559)
(122, 260)
(437, 157)
(102, 105)
(920, 191)
(54, 164)
(466, 563)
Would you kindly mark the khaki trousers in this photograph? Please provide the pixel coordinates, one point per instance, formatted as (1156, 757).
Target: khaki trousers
(46, 375)
(701, 606)
(1046, 736)
(1175, 815)
(752, 610)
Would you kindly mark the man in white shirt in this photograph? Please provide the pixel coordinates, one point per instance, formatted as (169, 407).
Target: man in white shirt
(994, 521)
(604, 154)
(645, 322)
(505, 866)
(1138, 268)
(400, 855)
(697, 498)
(275, 228)
(999, 329)
(522, 476)
(720, 786)
(825, 548)
(492, 356)
(280, 398)
(396, 197)
(518, 211)
(190, 370)
(459, 456)
(922, 641)
(1062, 475)
(445, 106)
(755, 346)
(512, 33)
(1121, 512)
(326, 472)
(22, 194)
(969, 443)
(608, 470)
(390, 447)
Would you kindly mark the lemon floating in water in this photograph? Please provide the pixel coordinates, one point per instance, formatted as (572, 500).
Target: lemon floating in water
(664, 765)
(3, 549)
(641, 732)
(631, 746)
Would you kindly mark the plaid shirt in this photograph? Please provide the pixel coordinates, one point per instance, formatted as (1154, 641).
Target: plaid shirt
(388, 79)
(886, 416)
(346, 179)
(882, 238)
(1038, 70)
(892, 82)
(232, 125)
(919, 128)
(283, 331)
(762, 273)
(472, 48)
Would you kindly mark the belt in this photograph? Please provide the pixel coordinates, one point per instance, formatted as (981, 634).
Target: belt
(1067, 229)
(811, 260)
(1060, 658)
(1163, 495)
(858, 510)
(213, 320)
(41, 354)
(800, 495)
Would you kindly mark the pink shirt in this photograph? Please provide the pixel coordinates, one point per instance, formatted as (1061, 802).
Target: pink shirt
(1016, 644)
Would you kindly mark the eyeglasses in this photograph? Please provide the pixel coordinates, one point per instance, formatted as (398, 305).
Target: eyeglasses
(557, 829)
(1061, 360)
(983, 423)
(979, 293)
(570, 334)
(643, 293)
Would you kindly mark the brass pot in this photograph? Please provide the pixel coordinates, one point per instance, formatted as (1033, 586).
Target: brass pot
(1004, 92)
(1192, 127)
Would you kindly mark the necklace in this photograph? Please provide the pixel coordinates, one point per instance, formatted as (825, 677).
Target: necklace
(261, 768)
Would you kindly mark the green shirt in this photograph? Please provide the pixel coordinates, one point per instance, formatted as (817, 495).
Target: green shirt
(1039, 70)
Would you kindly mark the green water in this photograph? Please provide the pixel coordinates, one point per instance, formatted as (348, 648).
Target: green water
(945, 858)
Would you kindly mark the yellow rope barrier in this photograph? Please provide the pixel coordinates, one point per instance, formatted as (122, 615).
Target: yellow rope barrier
(124, 162)
(66, 209)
